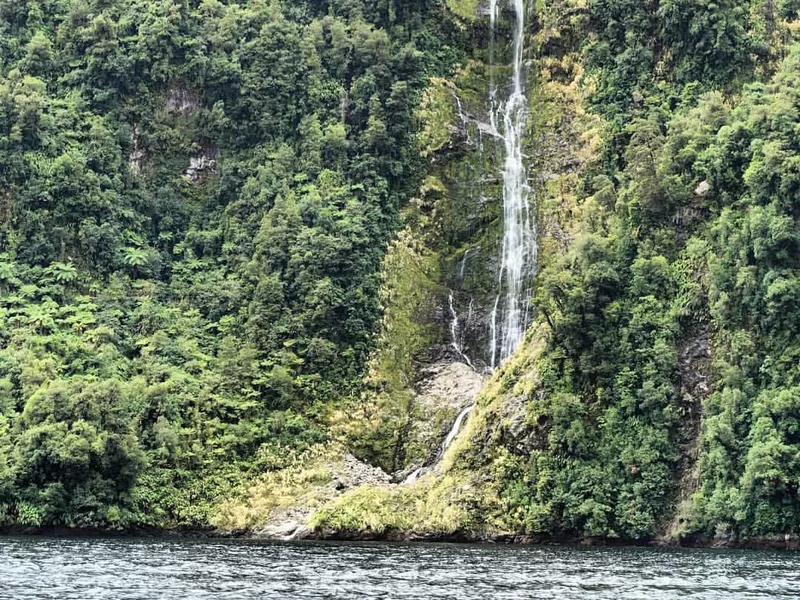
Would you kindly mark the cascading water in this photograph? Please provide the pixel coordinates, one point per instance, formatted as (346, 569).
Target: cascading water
(454, 430)
(510, 315)
(462, 270)
(462, 117)
(451, 436)
(455, 341)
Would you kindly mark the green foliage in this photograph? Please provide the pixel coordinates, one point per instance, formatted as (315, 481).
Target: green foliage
(698, 234)
(643, 55)
(196, 202)
(749, 453)
(695, 236)
(376, 426)
(372, 510)
(466, 9)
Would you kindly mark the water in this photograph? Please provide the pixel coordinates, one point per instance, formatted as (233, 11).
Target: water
(510, 315)
(519, 252)
(143, 569)
(451, 436)
(455, 339)
(448, 441)
(457, 345)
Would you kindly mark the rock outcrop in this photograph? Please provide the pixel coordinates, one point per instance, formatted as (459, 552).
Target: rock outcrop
(291, 522)
(444, 390)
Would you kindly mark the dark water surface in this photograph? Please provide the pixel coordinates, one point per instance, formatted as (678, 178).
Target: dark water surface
(89, 568)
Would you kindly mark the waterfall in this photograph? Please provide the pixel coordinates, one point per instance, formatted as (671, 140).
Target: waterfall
(507, 122)
(462, 116)
(510, 315)
(462, 270)
(451, 436)
(455, 341)
(453, 324)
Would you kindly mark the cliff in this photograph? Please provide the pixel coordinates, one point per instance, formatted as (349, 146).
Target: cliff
(650, 397)
(439, 270)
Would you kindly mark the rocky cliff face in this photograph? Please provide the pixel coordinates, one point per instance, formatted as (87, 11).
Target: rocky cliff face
(462, 228)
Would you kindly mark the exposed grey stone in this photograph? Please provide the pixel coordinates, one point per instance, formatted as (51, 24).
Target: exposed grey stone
(703, 188)
(442, 392)
(694, 366)
(183, 101)
(136, 156)
(202, 165)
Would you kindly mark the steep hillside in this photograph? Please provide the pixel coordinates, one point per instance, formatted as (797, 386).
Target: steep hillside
(525, 269)
(196, 199)
(654, 396)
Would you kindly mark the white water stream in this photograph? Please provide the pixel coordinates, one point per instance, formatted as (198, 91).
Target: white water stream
(451, 436)
(456, 344)
(510, 316)
(455, 337)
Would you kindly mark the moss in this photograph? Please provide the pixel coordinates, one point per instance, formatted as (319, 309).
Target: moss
(465, 9)
(475, 490)
(432, 506)
(374, 426)
(299, 485)
(436, 113)
(370, 509)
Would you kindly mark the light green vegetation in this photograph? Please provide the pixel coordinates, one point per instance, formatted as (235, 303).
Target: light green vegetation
(300, 484)
(465, 9)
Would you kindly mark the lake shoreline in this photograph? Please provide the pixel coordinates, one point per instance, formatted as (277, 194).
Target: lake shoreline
(791, 542)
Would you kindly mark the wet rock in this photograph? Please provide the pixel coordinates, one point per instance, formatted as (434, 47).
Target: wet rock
(287, 526)
(695, 356)
(442, 392)
(136, 156)
(521, 436)
(183, 101)
(702, 189)
(694, 366)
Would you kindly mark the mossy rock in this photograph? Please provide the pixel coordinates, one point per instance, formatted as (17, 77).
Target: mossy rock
(465, 9)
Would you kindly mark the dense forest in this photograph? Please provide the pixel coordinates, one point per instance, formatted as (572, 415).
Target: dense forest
(233, 233)
(196, 199)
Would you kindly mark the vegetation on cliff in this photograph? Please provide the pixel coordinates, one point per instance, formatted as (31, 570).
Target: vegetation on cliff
(656, 395)
(229, 231)
(195, 202)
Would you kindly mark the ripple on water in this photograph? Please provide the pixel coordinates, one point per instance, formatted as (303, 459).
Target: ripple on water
(145, 569)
